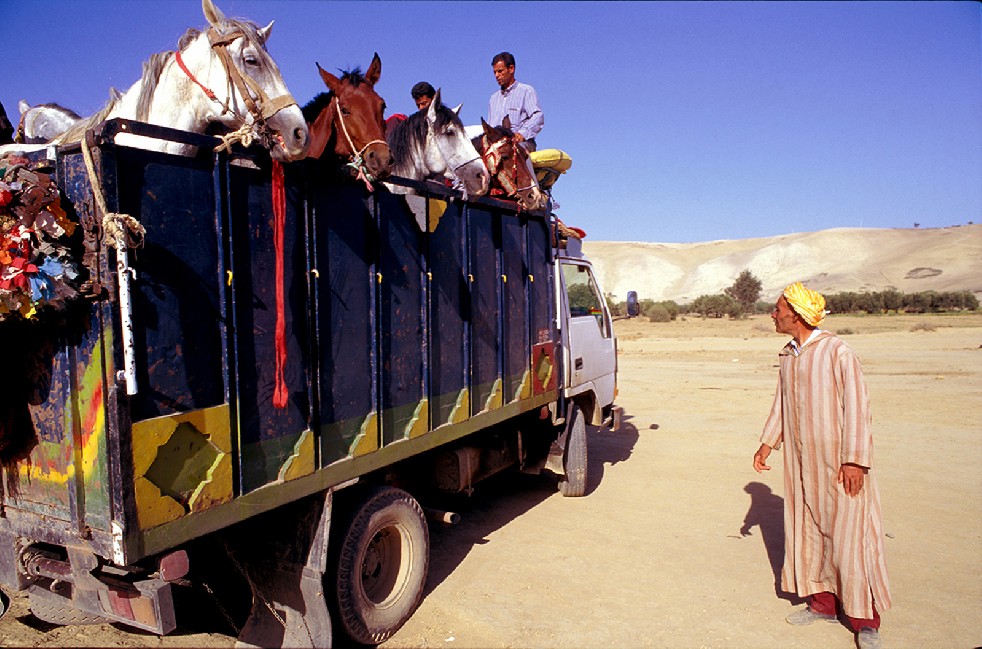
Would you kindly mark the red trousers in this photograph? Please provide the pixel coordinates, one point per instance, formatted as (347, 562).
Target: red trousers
(827, 604)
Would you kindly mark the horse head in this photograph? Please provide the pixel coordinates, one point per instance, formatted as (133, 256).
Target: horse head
(255, 94)
(44, 122)
(448, 149)
(350, 120)
(508, 164)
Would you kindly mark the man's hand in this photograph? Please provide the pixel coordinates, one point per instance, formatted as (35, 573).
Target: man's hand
(851, 478)
(760, 458)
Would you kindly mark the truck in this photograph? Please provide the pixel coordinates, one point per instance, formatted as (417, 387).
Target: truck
(260, 400)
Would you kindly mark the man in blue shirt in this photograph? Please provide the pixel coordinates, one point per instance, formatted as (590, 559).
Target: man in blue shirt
(517, 100)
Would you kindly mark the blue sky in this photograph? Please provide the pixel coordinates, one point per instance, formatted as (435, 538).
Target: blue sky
(687, 121)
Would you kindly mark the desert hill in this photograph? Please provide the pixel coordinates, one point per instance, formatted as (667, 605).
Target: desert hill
(831, 261)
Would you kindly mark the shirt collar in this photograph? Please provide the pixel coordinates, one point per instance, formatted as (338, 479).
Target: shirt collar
(505, 91)
(796, 348)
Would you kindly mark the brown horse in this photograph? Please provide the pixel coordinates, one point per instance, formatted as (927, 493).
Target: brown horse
(508, 164)
(348, 123)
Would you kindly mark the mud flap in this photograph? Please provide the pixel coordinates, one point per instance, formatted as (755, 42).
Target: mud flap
(289, 608)
(556, 461)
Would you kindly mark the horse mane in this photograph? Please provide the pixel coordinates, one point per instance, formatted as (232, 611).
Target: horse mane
(314, 107)
(67, 111)
(77, 132)
(152, 68)
(402, 139)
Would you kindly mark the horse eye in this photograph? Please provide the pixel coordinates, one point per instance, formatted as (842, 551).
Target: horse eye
(251, 59)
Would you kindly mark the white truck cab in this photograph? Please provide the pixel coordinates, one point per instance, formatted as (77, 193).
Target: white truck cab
(589, 347)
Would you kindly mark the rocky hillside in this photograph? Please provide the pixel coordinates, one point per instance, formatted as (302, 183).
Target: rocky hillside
(831, 261)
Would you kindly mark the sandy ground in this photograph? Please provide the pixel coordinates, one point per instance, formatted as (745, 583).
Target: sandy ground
(653, 556)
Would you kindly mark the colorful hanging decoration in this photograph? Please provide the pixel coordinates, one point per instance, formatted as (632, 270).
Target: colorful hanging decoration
(37, 268)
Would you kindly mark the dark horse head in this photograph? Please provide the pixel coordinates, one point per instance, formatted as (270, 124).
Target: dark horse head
(508, 165)
(348, 121)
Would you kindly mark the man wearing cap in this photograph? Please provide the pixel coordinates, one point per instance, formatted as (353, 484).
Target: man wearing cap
(832, 519)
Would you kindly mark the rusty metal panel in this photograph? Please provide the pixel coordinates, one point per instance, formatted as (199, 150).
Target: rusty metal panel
(484, 276)
(344, 245)
(402, 328)
(515, 334)
(268, 435)
(176, 289)
(449, 300)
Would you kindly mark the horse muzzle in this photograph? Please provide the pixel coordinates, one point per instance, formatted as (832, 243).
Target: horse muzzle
(531, 198)
(378, 160)
(475, 177)
(289, 134)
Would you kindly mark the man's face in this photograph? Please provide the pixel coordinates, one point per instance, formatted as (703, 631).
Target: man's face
(503, 74)
(783, 316)
(424, 102)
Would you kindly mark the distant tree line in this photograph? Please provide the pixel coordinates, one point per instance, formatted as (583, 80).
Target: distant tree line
(886, 301)
(742, 299)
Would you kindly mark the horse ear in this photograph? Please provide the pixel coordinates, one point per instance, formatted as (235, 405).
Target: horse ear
(331, 81)
(488, 129)
(23, 106)
(374, 70)
(456, 111)
(506, 122)
(264, 32)
(431, 111)
(213, 14)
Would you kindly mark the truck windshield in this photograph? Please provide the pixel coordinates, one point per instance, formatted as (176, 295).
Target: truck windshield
(582, 294)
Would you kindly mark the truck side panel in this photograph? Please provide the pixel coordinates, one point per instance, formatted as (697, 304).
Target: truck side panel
(411, 321)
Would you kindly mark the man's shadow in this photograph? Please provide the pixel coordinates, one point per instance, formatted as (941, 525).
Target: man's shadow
(767, 512)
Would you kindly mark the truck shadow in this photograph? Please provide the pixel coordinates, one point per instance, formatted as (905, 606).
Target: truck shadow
(606, 447)
(767, 513)
(502, 498)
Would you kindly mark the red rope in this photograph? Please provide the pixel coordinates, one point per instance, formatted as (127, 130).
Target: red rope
(180, 63)
(280, 393)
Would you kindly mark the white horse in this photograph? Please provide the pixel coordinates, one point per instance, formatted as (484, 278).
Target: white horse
(44, 122)
(431, 144)
(222, 76)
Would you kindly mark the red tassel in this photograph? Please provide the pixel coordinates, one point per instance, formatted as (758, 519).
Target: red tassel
(280, 393)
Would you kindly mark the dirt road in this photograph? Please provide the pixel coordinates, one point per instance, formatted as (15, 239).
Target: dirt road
(656, 554)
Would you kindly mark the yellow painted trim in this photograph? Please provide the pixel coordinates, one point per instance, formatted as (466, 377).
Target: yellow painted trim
(154, 508)
(496, 398)
(462, 410)
(217, 488)
(434, 212)
(367, 439)
(301, 462)
(524, 390)
(420, 423)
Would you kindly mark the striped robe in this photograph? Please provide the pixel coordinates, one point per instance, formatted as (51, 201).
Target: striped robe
(833, 542)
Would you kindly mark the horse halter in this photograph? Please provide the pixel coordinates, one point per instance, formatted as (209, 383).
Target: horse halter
(493, 156)
(357, 161)
(250, 91)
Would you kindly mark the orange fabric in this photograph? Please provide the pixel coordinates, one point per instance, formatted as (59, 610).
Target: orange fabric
(809, 304)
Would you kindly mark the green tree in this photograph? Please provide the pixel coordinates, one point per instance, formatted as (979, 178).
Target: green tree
(745, 290)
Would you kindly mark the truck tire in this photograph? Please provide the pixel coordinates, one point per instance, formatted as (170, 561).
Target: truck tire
(382, 562)
(574, 483)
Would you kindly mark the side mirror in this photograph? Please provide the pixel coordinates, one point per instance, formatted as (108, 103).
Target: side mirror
(633, 308)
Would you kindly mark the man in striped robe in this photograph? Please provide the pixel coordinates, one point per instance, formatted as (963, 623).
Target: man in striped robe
(832, 519)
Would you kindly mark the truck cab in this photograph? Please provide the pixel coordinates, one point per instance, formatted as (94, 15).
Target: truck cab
(589, 347)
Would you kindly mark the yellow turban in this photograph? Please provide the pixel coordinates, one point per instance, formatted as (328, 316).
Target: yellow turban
(810, 305)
